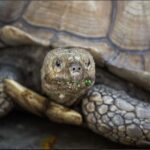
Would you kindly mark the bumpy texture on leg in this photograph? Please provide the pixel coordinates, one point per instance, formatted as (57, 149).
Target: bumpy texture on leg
(5, 103)
(117, 116)
(37, 104)
(7, 72)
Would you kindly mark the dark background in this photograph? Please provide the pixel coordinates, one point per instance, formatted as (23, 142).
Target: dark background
(24, 130)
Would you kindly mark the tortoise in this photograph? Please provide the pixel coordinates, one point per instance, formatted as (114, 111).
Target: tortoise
(113, 34)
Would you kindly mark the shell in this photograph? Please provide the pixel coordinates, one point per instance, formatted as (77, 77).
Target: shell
(117, 33)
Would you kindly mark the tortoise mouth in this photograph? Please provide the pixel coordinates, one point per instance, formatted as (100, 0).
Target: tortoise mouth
(71, 85)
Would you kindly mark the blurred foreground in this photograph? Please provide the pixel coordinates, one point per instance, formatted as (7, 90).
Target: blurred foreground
(24, 130)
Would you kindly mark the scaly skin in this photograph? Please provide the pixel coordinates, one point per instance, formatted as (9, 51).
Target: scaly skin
(117, 116)
(61, 79)
(5, 102)
(112, 113)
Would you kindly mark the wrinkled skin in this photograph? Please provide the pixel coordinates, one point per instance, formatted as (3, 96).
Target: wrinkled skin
(67, 74)
(113, 108)
(118, 35)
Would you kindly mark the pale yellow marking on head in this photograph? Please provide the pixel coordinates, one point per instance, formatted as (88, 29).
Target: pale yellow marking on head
(61, 96)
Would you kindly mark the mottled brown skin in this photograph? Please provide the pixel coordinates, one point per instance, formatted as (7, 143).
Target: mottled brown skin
(5, 103)
(117, 32)
(39, 105)
(65, 72)
(117, 35)
(108, 108)
(114, 114)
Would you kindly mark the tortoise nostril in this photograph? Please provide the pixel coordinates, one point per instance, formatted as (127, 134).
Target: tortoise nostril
(75, 68)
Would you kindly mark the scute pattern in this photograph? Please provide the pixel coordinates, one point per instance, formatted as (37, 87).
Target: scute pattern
(131, 27)
(78, 17)
(11, 11)
(117, 116)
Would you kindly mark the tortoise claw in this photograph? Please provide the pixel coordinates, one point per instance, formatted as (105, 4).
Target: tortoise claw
(40, 105)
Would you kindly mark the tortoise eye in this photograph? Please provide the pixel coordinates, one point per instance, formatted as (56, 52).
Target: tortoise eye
(58, 63)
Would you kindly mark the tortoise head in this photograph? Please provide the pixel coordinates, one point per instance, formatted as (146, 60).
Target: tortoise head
(67, 73)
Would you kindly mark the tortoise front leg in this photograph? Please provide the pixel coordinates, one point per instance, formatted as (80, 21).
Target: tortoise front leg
(39, 105)
(117, 116)
(6, 104)
(7, 72)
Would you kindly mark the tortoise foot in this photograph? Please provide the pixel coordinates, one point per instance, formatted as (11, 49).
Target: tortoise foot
(5, 102)
(7, 71)
(40, 105)
(117, 116)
